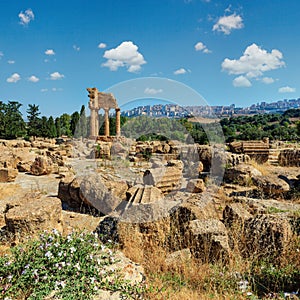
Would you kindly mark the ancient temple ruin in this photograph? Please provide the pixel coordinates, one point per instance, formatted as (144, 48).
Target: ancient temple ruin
(105, 101)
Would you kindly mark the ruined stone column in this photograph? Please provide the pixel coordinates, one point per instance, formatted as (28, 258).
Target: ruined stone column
(106, 122)
(92, 123)
(118, 122)
(96, 122)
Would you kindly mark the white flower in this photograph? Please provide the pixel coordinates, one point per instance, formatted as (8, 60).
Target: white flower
(77, 266)
(60, 253)
(243, 285)
(9, 277)
(69, 238)
(49, 254)
(103, 247)
(93, 280)
(55, 231)
(35, 272)
(72, 249)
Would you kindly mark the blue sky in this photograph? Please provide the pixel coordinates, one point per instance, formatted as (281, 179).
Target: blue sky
(240, 52)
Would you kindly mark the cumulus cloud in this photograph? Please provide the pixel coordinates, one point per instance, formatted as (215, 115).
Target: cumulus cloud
(267, 80)
(286, 89)
(152, 91)
(44, 90)
(11, 62)
(201, 47)
(13, 78)
(33, 79)
(241, 81)
(49, 52)
(56, 76)
(125, 55)
(102, 45)
(226, 24)
(26, 17)
(180, 71)
(254, 62)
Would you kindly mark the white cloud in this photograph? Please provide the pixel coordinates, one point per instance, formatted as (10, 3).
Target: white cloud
(56, 76)
(13, 78)
(125, 55)
(254, 62)
(1, 54)
(241, 81)
(102, 45)
(33, 79)
(49, 52)
(267, 80)
(152, 91)
(76, 48)
(286, 89)
(226, 24)
(56, 89)
(180, 71)
(201, 47)
(11, 62)
(44, 90)
(26, 17)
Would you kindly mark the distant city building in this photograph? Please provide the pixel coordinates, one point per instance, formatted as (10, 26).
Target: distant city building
(176, 111)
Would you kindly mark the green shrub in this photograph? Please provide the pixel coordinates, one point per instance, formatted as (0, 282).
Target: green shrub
(72, 266)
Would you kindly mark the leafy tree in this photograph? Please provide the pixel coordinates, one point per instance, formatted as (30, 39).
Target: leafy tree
(65, 123)
(52, 133)
(14, 125)
(33, 125)
(58, 126)
(44, 131)
(298, 128)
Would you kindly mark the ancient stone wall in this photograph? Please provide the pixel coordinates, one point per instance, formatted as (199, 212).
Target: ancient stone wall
(289, 158)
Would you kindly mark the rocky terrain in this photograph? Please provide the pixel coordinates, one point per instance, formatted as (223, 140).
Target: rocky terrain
(195, 201)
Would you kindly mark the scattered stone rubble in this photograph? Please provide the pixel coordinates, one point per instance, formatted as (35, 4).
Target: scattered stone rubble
(174, 203)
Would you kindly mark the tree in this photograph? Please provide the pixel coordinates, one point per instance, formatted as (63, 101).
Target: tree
(83, 122)
(44, 132)
(74, 122)
(298, 128)
(58, 126)
(51, 128)
(14, 125)
(33, 125)
(65, 123)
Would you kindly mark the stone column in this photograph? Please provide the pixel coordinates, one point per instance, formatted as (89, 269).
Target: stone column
(118, 122)
(96, 122)
(106, 122)
(92, 123)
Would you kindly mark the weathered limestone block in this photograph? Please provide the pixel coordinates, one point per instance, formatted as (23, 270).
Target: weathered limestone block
(8, 174)
(235, 214)
(196, 186)
(41, 166)
(167, 178)
(271, 185)
(241, 174)
(180, 256)
(267, 235)
(27, 217)
(117, 188)
(209, 240)
(143, 194)
(289, 157)
(234, 159)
